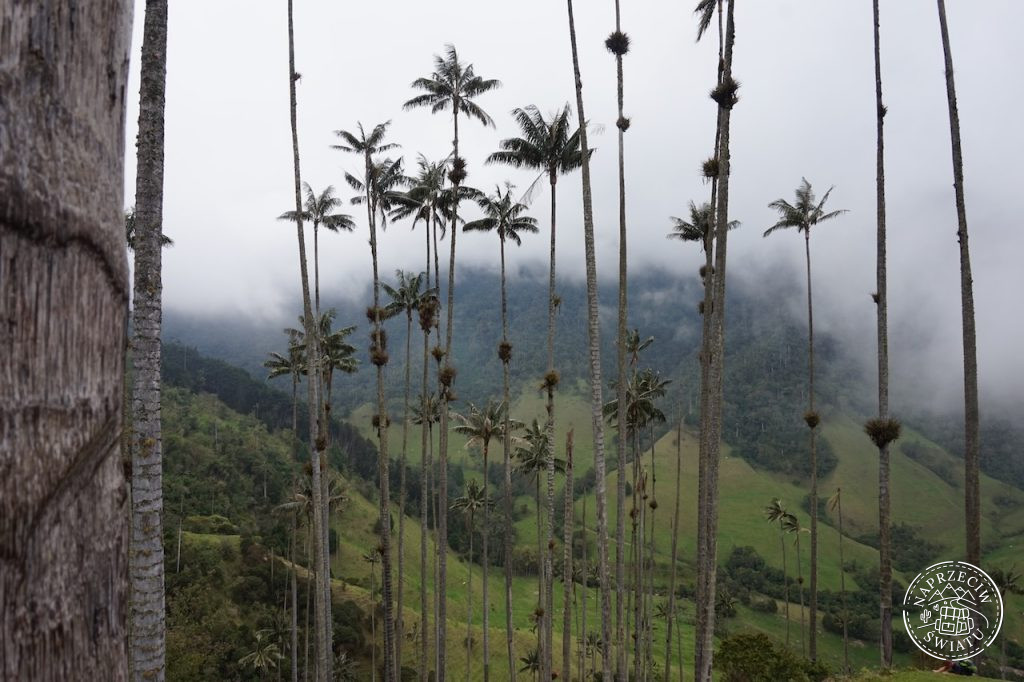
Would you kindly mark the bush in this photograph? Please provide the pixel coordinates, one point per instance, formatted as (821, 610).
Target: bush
(753, 657)
(766, 605)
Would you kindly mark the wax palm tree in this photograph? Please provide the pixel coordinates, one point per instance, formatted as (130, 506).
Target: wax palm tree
(426, 413)
(972, 490)
(345, 668)
(294, 365)
(883, 428)
(835, 504)
(422, 202)
(718, 170)
(323, 596)
(671, 606)
(507, 218)
(531, 460)
(379, 183)
(472, 502)
(452, 86)
(594, 353)
(319, 209)
(480, 426)
(804, 214)
(791, 524)
(373, 558)
(265, 656)
(776, 513)
(553, 149)
(531, 663)
(406, 298)
(618, 44)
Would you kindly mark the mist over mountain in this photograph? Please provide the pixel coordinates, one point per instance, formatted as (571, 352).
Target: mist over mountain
(766, 363)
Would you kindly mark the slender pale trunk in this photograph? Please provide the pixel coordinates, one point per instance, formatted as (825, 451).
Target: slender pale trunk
(373, 629)
(444, 395)
(469, 602)
(585, 572)
(842, 586)
(425, 466)
(63, 298)
(594, 352)
(674, 555)
(547, 577)
(567, 582)
(310, 582)
(882, 308)
(972, 494)
(295, 602)
(711, 439)
(379, 357)
(634, 548)
(621, 654)
(486, 562)
(785, 580)
(800, 585)
(322, 604)
(506, 448)
(316, 269)
(146, 558)
(813, 607)
(399, 615)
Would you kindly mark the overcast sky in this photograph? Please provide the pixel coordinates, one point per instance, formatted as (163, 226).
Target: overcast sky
(806, 109)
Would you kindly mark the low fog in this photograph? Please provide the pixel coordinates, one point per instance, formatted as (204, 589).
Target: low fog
(806, 110)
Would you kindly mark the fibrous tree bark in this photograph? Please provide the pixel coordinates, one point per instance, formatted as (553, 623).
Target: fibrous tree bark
(63, 302)
(146, 556)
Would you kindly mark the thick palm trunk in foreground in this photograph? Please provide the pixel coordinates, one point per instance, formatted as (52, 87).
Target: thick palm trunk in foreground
(323, 624)
(594, 352)
(146, 556)
(972, 492)
(63, 507)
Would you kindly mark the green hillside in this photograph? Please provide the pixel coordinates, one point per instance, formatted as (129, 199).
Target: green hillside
(226, 472)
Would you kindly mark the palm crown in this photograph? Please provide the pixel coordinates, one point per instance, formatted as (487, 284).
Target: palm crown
(406, 297)
(424, 195)
(503, 214)
(805, 213)
(452, 86)
(546, 145)
(481, 426)
(319, 209)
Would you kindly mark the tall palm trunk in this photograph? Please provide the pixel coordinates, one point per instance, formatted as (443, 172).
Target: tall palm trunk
(594, 352)
(567, 581)
(800, 587)
(486, 564)
(672, 575)
(316, 268)
(812, 422)
(972, 494)
(379, 357)
(146, 559)
(842, 587)
(469, 601)
(550, 383)
(322, 603)
(506, 447)
(882, 308)
(64, 290)
(712, 432)
(295, 602)
(399, 616)
(785, 580)
(584, 571)
(425, 469)
(446, 379)
(621, 387)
